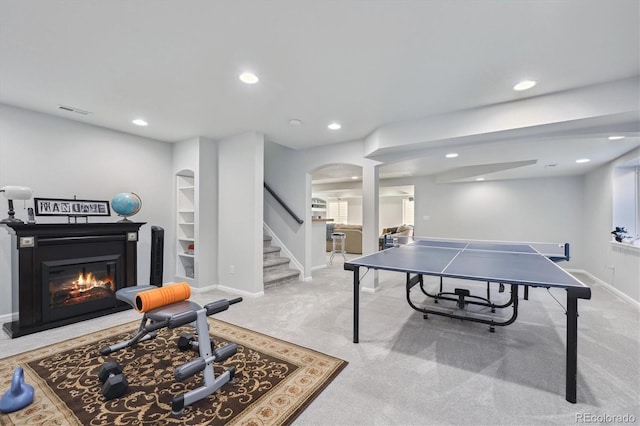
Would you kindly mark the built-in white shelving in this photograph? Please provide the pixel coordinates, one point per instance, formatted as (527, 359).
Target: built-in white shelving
(318, 208)
(318, 204)
(186, 216)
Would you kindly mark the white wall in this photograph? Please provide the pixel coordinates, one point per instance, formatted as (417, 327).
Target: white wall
(240, 205)
(354, 212)
(185, 155)
(547, 209)
(208, 214)
(60, 158)
(390, 212)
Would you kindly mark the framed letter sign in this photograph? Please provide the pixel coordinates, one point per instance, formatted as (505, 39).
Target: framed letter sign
(63, 207)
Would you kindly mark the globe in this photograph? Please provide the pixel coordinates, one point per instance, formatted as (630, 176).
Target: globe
(126, 204)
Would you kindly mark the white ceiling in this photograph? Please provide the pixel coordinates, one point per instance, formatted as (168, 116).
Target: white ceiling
(363, 63)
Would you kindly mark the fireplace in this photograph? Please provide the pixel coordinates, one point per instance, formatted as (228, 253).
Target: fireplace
(65, 273)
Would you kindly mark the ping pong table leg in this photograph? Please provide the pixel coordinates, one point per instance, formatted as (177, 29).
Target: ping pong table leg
(356, 301)
(439, 293)
(572, 346)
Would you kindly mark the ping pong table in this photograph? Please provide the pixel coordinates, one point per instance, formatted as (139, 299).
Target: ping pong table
(512, 263)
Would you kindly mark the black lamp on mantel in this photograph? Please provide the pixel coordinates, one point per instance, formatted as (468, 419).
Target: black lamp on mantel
(12, 192)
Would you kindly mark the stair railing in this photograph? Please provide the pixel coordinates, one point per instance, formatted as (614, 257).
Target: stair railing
(283, 204)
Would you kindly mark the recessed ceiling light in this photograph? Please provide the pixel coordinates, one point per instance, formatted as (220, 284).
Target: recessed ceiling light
(615, 138)
(583, 160)
(479, 179)
(249, 78)
(294, 122)
(524, 85)
(354, 177)
(334, 126)
(139, 122)
(452, 155)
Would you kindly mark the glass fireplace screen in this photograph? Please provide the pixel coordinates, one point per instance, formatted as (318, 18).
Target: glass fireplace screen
(79, 283)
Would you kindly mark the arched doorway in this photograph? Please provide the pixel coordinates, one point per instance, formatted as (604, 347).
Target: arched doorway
(336, 205)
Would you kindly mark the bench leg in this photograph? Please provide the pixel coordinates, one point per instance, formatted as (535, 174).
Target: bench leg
(211, 382)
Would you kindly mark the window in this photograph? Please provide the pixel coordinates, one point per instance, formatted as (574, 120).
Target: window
(626, 201)
(407, 211)
(338, 211)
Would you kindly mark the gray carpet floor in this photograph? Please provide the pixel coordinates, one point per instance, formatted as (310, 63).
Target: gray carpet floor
(410, 371)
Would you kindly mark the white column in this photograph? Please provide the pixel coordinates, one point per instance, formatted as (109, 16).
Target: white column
(308, 234)
(370, 214)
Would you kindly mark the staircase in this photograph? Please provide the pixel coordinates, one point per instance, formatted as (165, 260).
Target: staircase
(275, 268)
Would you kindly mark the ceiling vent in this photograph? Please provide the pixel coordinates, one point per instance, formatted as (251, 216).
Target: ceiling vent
(72, 109)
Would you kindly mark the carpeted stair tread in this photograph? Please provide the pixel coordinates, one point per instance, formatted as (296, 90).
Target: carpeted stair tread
(275, 261)
(280, 277)
(270, 252)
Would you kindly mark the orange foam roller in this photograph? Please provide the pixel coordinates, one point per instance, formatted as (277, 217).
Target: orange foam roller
(151, 299)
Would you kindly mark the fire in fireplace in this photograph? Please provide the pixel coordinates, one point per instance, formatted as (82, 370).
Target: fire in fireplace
(67, 287)
(79, 285)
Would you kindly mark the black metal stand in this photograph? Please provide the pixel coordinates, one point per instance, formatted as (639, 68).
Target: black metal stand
(513, 301)
(462, 299)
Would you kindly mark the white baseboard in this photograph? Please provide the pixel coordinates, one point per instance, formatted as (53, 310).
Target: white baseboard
(293, 261)
(9, 317)
(611, 289)
(226, 290)
(239, 292)
(203, 289)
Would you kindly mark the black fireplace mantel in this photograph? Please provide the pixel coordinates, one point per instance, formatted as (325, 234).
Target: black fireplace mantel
(32, 243)
(72, 229)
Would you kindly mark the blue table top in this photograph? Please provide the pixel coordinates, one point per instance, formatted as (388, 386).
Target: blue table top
(506, 262)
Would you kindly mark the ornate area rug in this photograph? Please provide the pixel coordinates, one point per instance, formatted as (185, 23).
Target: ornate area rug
(274, 380)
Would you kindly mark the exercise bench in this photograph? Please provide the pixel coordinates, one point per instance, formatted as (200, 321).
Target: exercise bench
(167, 307)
